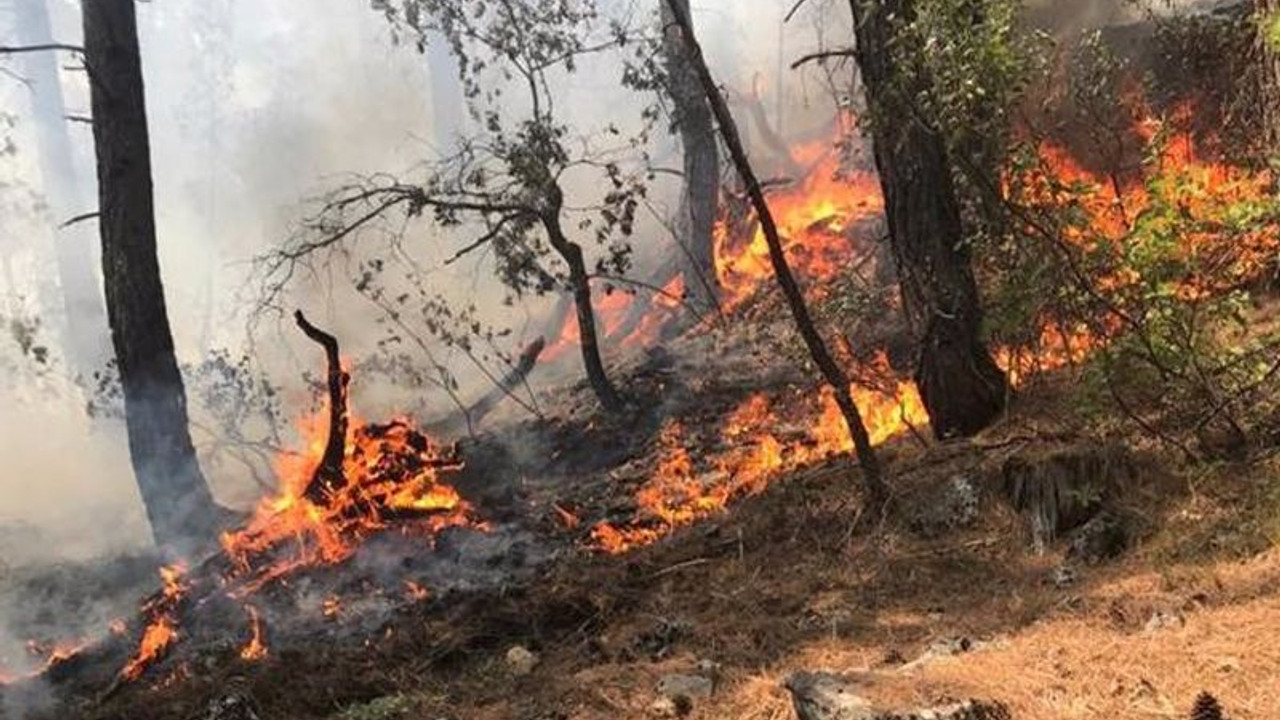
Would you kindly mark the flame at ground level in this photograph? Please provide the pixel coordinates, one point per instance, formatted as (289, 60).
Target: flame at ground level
(681, 492)
(391, 471)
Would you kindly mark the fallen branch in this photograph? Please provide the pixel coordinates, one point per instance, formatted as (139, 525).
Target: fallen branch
(328, 475)
(507, 386)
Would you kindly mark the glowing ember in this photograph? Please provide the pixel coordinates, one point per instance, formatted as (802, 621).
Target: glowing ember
(415, 592)
(332, 606)
(45, 656)
(256, 648)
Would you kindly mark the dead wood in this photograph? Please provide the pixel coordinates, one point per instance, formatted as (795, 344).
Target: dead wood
(328, 475)
(507, 385)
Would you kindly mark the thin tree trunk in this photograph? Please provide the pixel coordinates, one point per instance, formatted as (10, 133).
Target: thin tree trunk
(831, 371)
(329, 475)
(580, 283)
(700, 199)
(1269, 57)
(85, 330)
(178, 502)
(960, 384)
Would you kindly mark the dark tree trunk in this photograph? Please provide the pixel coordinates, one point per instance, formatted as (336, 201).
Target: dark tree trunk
(877, 494)
(580, 284)
(178, 502)
(960, 384)
(329, 475)
(701, 164)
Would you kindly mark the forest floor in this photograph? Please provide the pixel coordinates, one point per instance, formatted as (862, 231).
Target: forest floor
(795, 578)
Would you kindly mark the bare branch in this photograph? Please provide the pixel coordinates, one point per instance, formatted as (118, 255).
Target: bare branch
(824, 55)
(20, 49)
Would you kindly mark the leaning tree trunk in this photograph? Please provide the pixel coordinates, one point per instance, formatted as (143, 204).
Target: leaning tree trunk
(961, 386)
(580, 284)
(877, 493)
(701, 163)
(1268, 20)
(178, 502)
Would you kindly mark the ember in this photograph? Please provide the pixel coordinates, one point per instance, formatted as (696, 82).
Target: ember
(256, 648)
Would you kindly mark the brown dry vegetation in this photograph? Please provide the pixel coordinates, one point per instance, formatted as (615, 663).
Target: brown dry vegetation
(795, 579)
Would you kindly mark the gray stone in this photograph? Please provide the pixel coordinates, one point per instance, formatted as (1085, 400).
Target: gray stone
(952, 507)
(521, 661)
(1104, 537)
(691, 687)
(825, 696)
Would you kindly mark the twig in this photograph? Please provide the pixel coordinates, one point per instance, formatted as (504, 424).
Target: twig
(679, 566)
(823, 55)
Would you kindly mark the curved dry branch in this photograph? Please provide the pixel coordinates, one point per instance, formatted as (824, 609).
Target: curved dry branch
(328, 475)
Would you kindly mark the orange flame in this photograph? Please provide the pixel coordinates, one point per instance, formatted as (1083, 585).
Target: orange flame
(162, 627)
(256, 648)
(677, 494)
(390, 470)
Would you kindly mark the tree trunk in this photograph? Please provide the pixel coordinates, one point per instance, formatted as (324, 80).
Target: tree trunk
(700, 199)
(877, 494)
(178, 502)
(1269, 57)
(580, 283)
(960, 384)
(85, 329)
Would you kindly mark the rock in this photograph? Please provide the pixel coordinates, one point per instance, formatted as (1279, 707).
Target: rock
(824, 696)
(1161, 620)
(952, 507)
(1104, 537)
(1063, 576)
(689, 687)
(521, 661)
(665, 707)
(236, 705)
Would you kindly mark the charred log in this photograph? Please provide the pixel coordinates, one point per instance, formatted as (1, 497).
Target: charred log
(961, 386)
(328, 475)
(509, 383)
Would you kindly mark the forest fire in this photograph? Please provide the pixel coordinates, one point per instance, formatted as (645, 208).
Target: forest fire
(161, 614)
(256, 648)
(681, 492)
(814, 214)
(392, 473)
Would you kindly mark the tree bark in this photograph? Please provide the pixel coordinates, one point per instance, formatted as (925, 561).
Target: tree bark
(700, 199)
(329, 475)
(960, 384)
(580, 284)
(831, 371)
(85, 329)
(178, 502)
(1269, 58)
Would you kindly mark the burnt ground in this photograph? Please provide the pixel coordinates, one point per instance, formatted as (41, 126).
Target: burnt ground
(795, 578)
